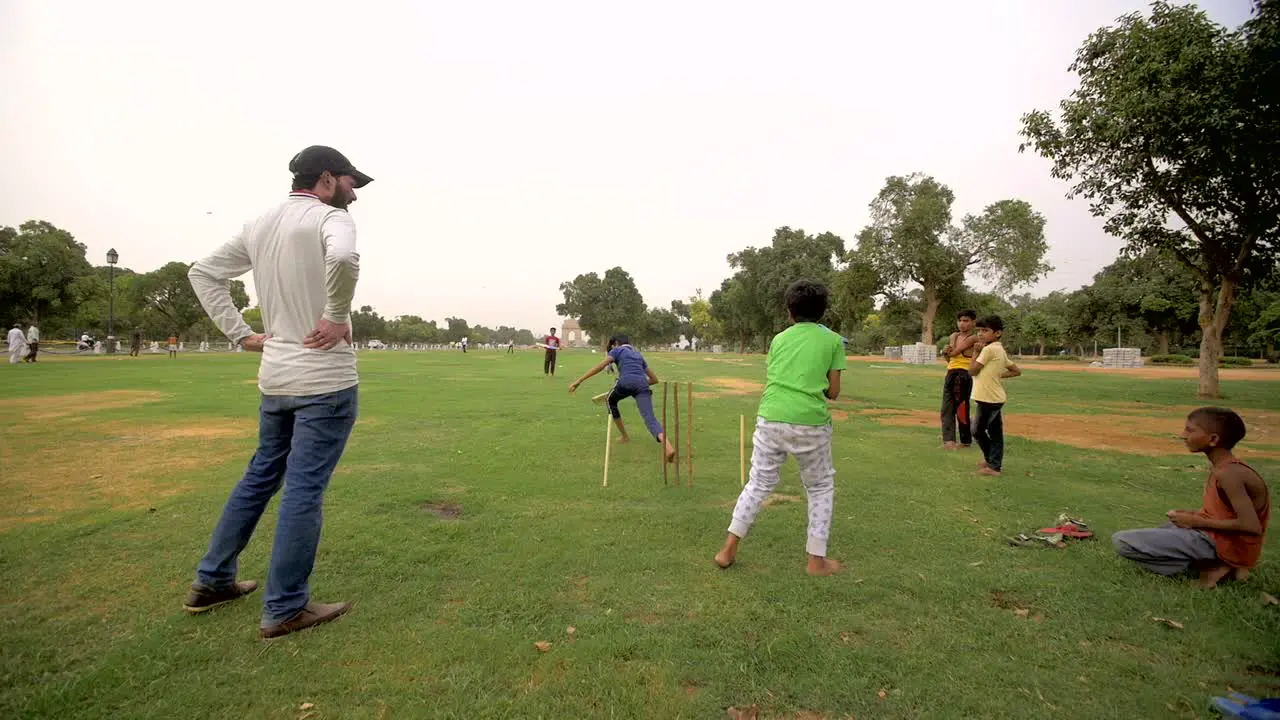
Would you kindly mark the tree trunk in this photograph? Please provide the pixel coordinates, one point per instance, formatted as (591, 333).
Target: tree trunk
(1164, 343)
(1213, 320)
(930, 310)
(1041, 347)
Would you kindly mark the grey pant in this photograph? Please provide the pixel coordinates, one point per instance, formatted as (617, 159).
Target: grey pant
(1167, 550)
(770, 445)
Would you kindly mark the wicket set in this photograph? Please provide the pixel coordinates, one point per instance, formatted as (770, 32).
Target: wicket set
(675, 436)
(672, 434)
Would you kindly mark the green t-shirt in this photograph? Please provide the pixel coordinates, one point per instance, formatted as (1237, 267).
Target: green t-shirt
(799, 359)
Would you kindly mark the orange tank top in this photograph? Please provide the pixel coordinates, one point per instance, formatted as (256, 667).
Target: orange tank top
(1235, 549)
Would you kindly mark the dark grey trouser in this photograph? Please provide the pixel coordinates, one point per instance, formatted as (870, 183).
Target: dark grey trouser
(1166, 550)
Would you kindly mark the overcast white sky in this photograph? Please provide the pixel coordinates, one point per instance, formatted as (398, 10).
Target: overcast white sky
(515, 145)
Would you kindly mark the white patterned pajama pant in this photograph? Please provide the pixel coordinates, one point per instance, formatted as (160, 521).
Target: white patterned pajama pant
(770, 445)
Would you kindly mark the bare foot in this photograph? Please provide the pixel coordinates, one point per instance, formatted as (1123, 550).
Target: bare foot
(983, 464)
(986, 470)
(1209, 577)
(729, 552)
(623, 440)
(821, 567)
(948, 446)
(1240, 574)
(966, 446)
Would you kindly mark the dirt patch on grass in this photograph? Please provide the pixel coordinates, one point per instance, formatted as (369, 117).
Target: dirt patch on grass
(1133, 434)
(441, 509)
(54, 407)
(1160, 372)
(734, 386)
(120, 469)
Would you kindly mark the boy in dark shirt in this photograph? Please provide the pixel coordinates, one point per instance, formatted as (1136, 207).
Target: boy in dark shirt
(634, 380)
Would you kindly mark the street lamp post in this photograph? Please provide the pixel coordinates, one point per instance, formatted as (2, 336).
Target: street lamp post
(112, 258)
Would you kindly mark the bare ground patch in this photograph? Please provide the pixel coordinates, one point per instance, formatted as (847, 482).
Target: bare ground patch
(1133, 434)
(125, 468)
(54, 407)
(1161, 372)
(446, 510)
(732, 386)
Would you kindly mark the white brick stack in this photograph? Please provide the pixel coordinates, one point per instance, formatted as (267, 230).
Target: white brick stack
(919, 354)
(1116, 358)
(893, 352)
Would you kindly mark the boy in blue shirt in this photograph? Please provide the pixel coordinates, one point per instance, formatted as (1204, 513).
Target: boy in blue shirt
(634, 379)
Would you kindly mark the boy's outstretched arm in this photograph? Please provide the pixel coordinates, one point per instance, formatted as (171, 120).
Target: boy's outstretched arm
(833, 385)
(1231, 481)
(590, 373)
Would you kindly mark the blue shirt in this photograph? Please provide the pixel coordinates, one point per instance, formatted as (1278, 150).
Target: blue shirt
(631, 365)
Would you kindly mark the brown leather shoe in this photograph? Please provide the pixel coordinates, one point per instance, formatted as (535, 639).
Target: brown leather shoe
(201, 599)
(313, 614)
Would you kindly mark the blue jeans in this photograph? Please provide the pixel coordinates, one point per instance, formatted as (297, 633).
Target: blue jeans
(644, 402)
(300, 440)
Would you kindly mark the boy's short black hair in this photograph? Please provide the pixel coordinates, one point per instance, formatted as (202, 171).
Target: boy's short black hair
(1223, 422)
(806, 300)
(992, 322)
(619, 339)
(971, 314)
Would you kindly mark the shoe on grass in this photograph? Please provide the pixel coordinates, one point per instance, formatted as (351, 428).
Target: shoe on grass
(202, 598)
(310, 616)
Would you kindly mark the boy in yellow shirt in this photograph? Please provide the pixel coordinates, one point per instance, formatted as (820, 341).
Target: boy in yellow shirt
(989, 369)
(957, 387)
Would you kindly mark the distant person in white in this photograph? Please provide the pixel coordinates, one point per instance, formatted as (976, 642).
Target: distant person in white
(464, 344)
(302, 253)
(33, 342)
(17, 345)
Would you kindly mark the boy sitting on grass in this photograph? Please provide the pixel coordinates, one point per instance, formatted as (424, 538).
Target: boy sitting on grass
(1224, 537)
(804, 366)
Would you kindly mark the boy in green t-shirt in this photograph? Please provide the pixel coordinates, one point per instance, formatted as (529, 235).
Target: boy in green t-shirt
(805, 362)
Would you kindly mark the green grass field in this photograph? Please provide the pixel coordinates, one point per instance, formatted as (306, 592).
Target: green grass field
(114, 471)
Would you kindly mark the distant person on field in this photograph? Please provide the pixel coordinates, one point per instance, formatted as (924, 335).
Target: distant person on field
(804, 366)
(1224, 538)
(33, 342)
(957, 386)
(302, 253)
(17, 344)
(990, 369)
(549, 357)
(464, 344)
(635, 377)
(135, 343)
(511, 347)
(173, 346)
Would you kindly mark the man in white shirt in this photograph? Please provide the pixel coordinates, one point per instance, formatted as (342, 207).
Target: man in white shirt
(302, 253)
(17, 344)
(33, 342)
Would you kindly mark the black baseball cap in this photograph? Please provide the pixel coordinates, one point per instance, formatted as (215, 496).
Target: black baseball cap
(318, 158)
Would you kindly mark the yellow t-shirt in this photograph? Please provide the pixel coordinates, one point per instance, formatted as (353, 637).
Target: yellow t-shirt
(987, 385)
(959, 362)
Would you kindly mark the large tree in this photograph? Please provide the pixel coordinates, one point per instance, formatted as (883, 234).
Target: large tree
(911, 240)
(1174, 138)
(39, 266)
(1152, 288)
(756, 291)
(167, 302)
(604, 306)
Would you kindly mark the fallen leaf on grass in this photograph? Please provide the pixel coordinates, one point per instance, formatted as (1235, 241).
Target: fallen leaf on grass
(746, 714)
(846, 638)
(571, 630)
(1038, 617)
(976, 564)
(882, 694)
(1171, 623)
(96, 477)
(542, 645)
(1022, 612)
(305, 706)
(1270, 599)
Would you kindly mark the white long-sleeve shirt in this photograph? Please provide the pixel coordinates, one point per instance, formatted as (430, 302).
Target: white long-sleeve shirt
(305, 266)
(16, 339)
(33, 334)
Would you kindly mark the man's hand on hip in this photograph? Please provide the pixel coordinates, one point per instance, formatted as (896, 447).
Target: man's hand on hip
(327, 335)
(255, 343)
